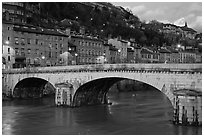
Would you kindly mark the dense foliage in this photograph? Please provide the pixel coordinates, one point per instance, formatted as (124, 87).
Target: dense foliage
(103, 19)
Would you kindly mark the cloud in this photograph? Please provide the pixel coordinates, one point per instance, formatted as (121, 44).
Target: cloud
(153, 14)
(193, 21)
(197, 24)
(169, 12)
(195, 7)
(180, 22)
(164, 21)
(145, 13)
(138, 9)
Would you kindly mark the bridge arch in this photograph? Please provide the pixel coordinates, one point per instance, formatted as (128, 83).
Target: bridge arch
(32, 87)
(95, 90)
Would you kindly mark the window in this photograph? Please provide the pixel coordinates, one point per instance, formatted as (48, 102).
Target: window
(56, 46)
(9, 58)
(8, 50)
(22, 41)
(22, 52)
(16, 51)
(8, 28)
(29, 50)
(50, 45)
(29, 41)
(37, 51)
(16, 40)
(36, 42)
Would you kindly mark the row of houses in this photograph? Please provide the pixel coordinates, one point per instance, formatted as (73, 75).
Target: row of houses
(131, 52)
(28, 45)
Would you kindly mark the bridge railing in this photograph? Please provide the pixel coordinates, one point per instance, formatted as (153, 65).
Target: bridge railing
(111, 67)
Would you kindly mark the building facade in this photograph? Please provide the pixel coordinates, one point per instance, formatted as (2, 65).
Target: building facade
(34, 46)
(165, 55)
(187, 57)
(87, 48)
(122, 46)
(19, 11)
(149, 56)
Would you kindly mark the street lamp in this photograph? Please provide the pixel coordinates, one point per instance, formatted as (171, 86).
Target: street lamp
(43, 58)
(76, 57)
(119, 50)
(69, 50)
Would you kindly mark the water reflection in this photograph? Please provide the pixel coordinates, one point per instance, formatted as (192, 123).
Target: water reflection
(136, 113)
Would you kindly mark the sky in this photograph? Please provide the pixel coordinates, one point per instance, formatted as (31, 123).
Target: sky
(167, 12)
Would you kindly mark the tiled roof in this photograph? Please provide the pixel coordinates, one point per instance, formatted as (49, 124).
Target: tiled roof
(38, 31)
(86, 37)
(145, 51)
(164, 51)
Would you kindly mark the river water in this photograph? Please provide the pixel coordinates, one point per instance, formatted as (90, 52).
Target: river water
(131, 113)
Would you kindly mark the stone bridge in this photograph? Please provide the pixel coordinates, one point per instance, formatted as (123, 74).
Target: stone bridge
(89, 84)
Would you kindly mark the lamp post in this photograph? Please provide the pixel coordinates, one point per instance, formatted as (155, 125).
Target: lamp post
(43, 58)
(76, 57)
(69, 50)
(9, 62)
(119, 50)
(104, 58)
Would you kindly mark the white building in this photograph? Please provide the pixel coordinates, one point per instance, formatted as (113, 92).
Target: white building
(122, 46)
(9, 54)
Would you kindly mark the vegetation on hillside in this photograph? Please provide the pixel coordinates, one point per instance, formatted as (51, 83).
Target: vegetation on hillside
(104, 19)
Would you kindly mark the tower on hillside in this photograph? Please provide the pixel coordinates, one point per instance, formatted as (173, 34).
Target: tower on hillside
(186, 25)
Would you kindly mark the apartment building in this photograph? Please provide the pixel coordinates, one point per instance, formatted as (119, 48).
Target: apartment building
(34, 46)
(88, 48)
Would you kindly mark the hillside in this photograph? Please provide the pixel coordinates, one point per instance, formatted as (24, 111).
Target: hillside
(102, 19)
(98, 18)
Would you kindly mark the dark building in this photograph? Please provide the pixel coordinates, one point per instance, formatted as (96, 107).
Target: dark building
(130, 55)
(88, 48)
(21, 12)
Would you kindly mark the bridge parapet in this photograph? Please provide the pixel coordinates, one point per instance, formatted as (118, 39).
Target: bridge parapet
(177, 68)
